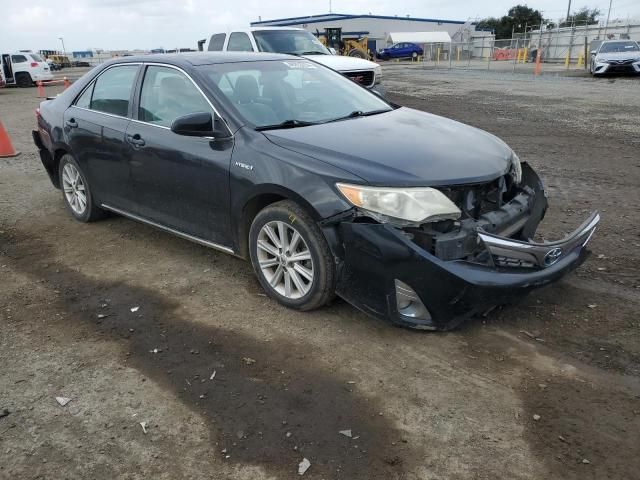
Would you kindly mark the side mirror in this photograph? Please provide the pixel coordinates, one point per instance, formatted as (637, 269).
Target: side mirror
(333, 51)
(593, 52)
(199, 124)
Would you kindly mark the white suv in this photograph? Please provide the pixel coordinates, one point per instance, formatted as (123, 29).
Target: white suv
(25, 68)
(297, 41)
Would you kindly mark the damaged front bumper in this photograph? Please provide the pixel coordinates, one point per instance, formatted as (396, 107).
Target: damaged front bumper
(386, 273)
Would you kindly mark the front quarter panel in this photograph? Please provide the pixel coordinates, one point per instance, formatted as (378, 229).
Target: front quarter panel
(259, 167)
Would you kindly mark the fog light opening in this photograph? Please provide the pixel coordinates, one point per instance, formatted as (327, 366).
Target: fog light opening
(408, 302)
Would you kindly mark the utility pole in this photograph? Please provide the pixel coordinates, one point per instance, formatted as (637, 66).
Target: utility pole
(64, 50)
(568, 11)
(330, 7)
(607, 23)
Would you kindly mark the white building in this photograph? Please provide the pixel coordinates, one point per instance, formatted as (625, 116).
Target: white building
(376, 27)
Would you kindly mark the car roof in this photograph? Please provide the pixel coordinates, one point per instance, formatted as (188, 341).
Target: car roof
(202, 58)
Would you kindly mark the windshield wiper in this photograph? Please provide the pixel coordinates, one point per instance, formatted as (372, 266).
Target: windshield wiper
(310, 52)
(286, 124)
(358, 113)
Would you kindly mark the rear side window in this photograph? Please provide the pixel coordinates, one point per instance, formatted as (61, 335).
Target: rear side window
(112, 90)
(84, 101)
(239, 42)
(36, 57)
(18, 58)
(168, 94)
(217, 42)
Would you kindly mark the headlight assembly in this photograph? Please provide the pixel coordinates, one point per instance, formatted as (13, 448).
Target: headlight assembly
(401, 205)
(516, 168)
(378, 72)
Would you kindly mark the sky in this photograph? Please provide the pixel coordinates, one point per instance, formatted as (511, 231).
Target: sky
(146, 24)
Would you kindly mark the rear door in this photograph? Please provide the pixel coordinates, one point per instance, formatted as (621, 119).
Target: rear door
(95, 127)
(180, 182)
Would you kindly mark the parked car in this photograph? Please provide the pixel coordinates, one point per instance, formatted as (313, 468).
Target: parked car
(25, 68)
(80, 63)
(297, 41)
(615, 56)
(324, 186)
(401, 50)
(3, 82)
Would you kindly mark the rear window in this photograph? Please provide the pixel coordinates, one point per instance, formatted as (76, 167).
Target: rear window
(217, 42)
(36, 57)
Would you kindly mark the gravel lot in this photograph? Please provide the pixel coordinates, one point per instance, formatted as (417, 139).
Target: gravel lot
(547, 388)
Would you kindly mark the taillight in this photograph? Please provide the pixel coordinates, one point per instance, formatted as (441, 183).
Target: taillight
(34, 64)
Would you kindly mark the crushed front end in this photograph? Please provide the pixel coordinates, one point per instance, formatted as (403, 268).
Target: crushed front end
(435, 275)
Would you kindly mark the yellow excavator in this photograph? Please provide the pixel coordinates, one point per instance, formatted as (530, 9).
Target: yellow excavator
(350, 47)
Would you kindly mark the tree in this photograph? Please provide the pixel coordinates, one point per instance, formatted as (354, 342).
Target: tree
(516, 19)
(584, 15)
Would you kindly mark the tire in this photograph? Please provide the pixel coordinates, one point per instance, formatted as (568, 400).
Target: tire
(24, 80)
(74, 189)
(414, 55)
(356, 53)
(289, 218)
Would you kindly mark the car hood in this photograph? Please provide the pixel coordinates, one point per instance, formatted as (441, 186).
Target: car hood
(619, 55)
(404, 147)
(342, 63)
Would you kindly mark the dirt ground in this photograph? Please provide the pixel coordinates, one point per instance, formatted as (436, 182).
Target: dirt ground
(546, 389)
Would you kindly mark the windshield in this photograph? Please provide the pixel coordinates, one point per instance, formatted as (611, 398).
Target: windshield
(619, 47)
(268, 93)
(296, 42)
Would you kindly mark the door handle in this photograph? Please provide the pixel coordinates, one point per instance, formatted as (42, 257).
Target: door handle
(135, 140)
(71, 123)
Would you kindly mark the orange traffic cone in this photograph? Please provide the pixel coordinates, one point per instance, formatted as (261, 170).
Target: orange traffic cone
(41, 93)
(6, 149)
(66, 83)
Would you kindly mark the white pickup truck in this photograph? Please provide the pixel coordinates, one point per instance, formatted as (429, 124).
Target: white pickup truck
(297, 41)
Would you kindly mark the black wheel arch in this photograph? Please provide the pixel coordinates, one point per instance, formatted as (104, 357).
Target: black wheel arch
(260, 198)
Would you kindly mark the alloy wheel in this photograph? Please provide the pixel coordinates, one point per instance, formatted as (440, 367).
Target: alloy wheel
(74, 189)
(285, 260)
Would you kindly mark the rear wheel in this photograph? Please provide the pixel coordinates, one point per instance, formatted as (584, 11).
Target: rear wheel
(76, 191)
(291, 257)
(23, 80)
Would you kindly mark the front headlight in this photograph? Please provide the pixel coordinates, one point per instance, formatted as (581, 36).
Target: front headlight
(378, 72)
(516, 168)
(409, 205)
(601, 60)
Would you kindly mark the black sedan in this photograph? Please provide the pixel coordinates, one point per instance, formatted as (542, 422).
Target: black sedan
(327, 188)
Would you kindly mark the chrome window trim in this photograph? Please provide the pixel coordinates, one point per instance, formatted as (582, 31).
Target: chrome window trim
(73, 105)
(178, 233)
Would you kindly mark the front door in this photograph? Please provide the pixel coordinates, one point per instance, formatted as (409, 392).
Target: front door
(95, 128)
(179, 182)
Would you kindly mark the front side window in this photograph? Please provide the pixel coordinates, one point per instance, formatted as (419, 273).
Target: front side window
(271, 92)
(217, 42)
(112, 90)
(168, 94)
(239, 42)
(18, 59)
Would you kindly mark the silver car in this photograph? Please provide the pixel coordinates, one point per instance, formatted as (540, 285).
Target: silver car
(615, 56)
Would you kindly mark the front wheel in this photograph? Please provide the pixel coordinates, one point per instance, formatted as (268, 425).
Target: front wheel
(291, 257)
(24, 80)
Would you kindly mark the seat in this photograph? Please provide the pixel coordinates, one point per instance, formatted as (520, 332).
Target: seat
(248, 101)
